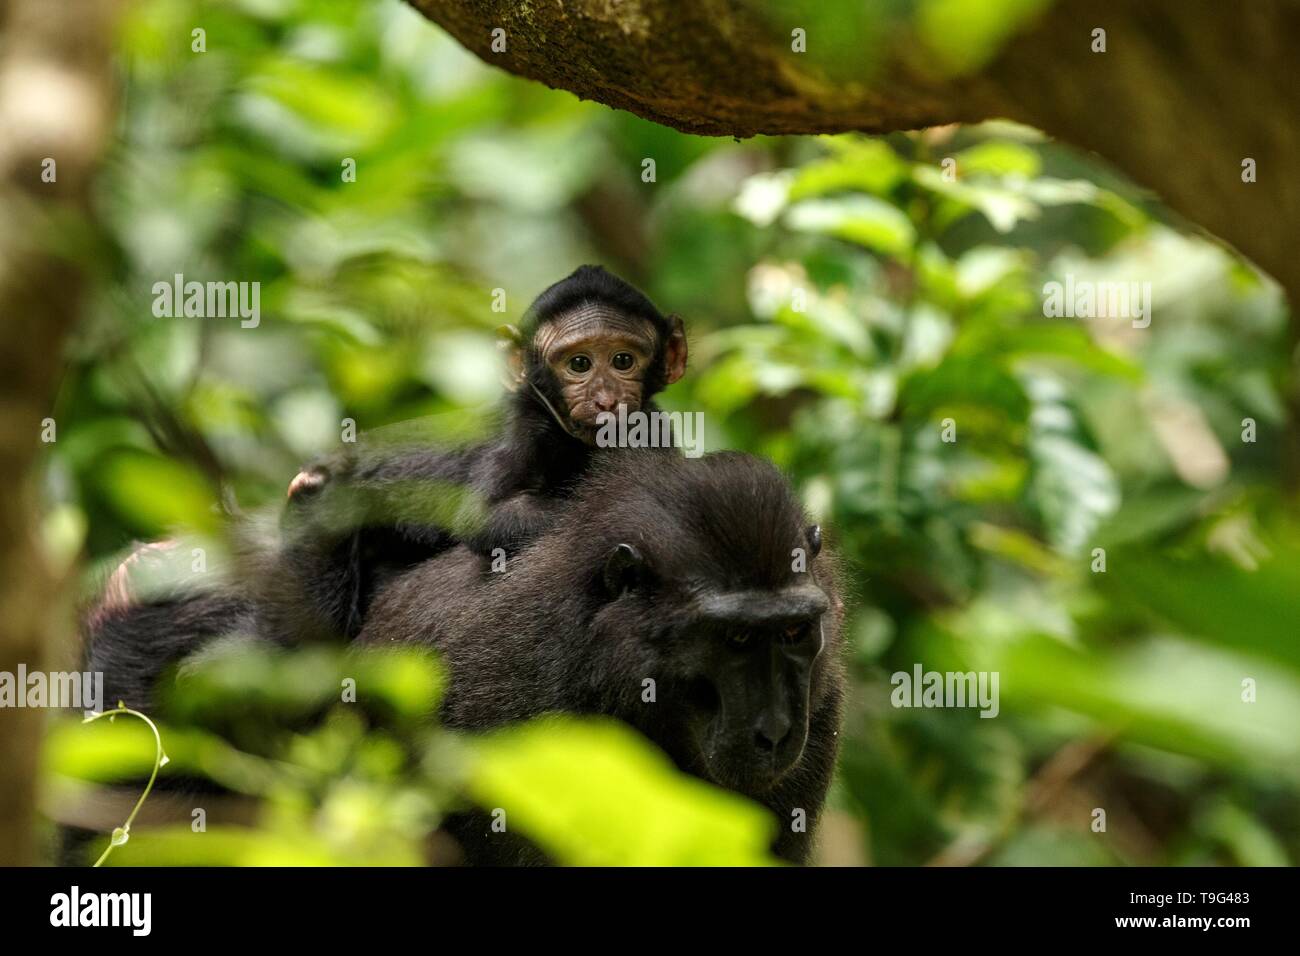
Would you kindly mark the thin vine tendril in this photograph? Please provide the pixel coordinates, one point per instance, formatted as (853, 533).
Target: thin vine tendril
(123, 833)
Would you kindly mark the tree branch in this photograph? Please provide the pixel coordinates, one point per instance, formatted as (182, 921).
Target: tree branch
(1186, 90)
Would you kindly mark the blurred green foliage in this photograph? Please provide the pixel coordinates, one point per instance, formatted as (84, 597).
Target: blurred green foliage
(341, 762)
(848, 300)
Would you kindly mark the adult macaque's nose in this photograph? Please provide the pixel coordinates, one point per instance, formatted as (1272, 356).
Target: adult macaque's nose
(771, 729)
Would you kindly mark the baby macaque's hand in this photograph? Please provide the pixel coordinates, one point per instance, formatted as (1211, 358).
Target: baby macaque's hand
(312, 493)
(312, 478)
(308, 482)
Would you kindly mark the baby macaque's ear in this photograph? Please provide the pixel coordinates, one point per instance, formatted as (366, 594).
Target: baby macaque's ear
(511, 341)
(675, 350)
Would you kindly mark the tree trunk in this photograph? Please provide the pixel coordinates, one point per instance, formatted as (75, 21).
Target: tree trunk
(54, 105)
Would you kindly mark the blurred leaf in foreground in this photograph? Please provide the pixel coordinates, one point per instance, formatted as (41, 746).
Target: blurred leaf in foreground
(593, 793)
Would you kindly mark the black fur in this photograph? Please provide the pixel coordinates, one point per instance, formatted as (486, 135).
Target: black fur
(134, 646)
(548, 635)
(625, 586)
(378, 511)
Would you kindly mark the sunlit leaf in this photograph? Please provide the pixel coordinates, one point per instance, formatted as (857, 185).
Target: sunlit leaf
(863, 220)
(593, 793)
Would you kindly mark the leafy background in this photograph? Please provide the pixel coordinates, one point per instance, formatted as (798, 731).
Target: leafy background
(844, 298)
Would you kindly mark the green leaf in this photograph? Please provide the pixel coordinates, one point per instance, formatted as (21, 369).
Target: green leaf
(858, 165)
(863, 220)
(594, 793)
(352, 106)
(999, 157)
(1252, 611)
(222, 845)
(1002, 206)
(1072, 487)
(157, 495)
(1162, 691)
(963, 35)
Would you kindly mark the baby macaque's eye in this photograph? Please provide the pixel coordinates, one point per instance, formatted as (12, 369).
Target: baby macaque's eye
(624, 361)
(738, 639)
(580, 364)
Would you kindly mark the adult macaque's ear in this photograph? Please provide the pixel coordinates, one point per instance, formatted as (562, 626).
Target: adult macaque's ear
(511, 340)
(625, 568)
(675, 353)
(814, 540)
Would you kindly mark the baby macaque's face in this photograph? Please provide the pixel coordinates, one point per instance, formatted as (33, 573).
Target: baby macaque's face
(599, 358)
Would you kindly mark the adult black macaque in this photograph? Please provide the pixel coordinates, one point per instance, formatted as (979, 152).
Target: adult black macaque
(679, 571)
(673, 570)
(588, 344)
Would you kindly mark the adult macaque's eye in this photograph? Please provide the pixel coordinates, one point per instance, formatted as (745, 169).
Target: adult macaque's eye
(794, 633)
(580, 364)
(739, 639)
(624, 361)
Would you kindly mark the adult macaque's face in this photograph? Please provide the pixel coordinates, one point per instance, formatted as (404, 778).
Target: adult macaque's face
(599, 358)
